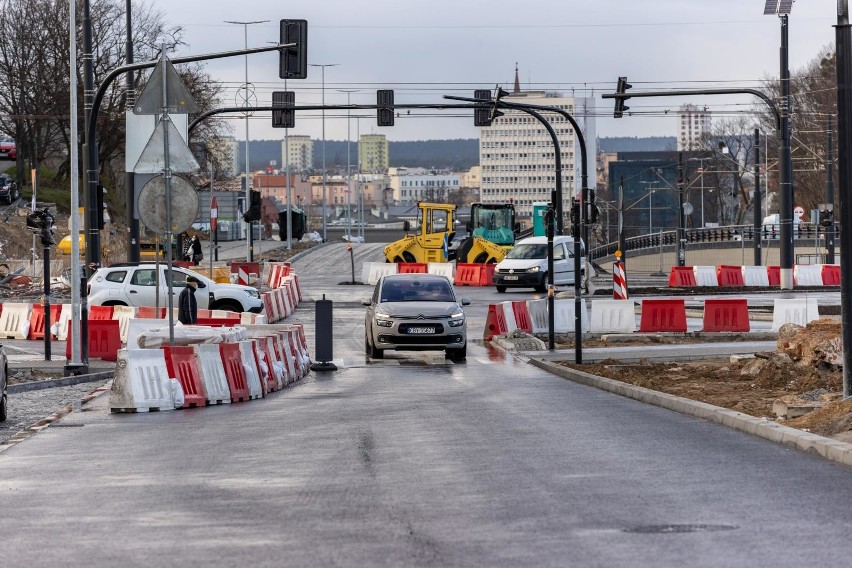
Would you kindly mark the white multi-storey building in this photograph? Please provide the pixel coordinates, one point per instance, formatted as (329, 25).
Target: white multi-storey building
(692, 124)
(418, 184)
(300, 150)
(373, 152)
(517, 155)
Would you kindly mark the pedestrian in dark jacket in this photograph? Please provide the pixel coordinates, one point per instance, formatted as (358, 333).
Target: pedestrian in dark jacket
(187, 306)
(195, 247)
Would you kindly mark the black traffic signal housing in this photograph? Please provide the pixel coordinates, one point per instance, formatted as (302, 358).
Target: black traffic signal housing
(592, 210)
(293, 61)
(620, 89)
(826, 217)
(40, 222)
(384, 100)
(253, 213)
(575, 213)
(482, 114)
(286, 117)
(101, 192)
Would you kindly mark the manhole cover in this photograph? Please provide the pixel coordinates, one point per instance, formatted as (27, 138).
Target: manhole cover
(665, 529)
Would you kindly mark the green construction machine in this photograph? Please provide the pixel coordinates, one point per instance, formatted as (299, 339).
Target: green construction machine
(491, 233)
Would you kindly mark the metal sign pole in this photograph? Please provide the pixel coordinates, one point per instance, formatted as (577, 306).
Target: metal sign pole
(167, 174)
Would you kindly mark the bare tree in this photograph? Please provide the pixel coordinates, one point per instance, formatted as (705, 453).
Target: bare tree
(729, 147)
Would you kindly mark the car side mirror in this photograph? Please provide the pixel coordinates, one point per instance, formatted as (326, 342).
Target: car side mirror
(465, 301)
(366, 302)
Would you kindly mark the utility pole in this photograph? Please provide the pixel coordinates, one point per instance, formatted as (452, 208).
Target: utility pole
(681, 214)
(843, 48)
(130, 177)
(758, 209)
(829, 191)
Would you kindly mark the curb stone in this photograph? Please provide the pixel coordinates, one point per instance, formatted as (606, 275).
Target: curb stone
(832, 450)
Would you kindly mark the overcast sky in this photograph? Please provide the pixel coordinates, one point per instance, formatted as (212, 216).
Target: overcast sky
(424, 50)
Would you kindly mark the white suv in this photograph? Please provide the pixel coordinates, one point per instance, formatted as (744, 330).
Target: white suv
(135, 285)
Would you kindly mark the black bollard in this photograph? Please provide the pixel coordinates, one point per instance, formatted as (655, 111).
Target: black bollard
(324, 336)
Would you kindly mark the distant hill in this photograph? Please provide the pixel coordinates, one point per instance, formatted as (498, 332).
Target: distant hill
(457, 155)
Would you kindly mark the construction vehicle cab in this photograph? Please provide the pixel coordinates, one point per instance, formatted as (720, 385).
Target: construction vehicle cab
(433, 232)
(492, 232)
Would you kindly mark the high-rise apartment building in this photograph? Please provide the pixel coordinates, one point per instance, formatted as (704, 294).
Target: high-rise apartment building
(300, 150)
(373, 153)
(692, 124)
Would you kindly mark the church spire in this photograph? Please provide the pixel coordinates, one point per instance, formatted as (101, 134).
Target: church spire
(517, 82)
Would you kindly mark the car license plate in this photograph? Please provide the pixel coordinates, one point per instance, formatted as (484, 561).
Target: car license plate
(421, 330)
(510, 277)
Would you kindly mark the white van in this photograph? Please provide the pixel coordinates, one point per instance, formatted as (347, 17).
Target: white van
(526, 265)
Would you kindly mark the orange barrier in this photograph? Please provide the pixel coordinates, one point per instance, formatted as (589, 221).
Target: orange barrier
(495, 322)
(183, 263)
(774, 273)
(831, 274)
(149, 312)
(100, 313)
(205, 313)
(486, 274)
(663, 315)
(411, 267)
(298, 290)
(730, 275)
(682, 276)
(268, 308)
(468, 274)
(232, 360)
(523, 321)
(726, 315)
(183, 366)
(37, 319)
(104, 340)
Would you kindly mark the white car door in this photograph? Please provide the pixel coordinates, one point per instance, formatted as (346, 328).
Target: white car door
(202, 296)
(563, 269)
(141, 289)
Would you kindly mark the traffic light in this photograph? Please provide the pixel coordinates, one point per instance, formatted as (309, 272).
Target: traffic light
(293, 61)
(253, 213)
(101, 192)
(384, 100)
(285, 118)
(575, 212)
(592, 210)
(40, 222)
(826, 216)
(620, 89)
(482, 114)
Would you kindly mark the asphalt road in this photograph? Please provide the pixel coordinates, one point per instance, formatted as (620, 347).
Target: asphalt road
(415, 461)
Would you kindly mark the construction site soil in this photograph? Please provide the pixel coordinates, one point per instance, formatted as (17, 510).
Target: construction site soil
(803, 373)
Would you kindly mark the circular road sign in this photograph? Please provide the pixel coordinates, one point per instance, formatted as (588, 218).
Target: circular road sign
(152, 205)
(799, 212)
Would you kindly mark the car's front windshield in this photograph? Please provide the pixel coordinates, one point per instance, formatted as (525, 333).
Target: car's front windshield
(528, 250)
(417, 291)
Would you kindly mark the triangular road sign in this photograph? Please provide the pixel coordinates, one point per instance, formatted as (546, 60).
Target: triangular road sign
(178, 98)
(152, 161)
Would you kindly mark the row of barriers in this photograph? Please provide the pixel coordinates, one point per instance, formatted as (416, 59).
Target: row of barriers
(742, 276)
(186, 376)
(619, 316)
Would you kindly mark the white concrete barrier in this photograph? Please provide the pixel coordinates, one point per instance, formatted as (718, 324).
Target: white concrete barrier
(538, 315)
(799, 311)
(123, 314)
(442, 269)
(755, 276)
(375, 270)
(141, 382)
(613, 316)
(62, 325)
(137, 326)
(15, 320)
(212, 373)
(509, 316)
(252, 372)
(563, 315)
(705, 276)
(807, 275)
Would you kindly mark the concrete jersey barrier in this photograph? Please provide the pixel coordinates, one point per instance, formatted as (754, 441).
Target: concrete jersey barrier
(613, 316)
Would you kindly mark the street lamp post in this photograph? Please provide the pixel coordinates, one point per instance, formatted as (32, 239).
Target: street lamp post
(348, 160)
(249, 236)
(322, 66)
(651, 189)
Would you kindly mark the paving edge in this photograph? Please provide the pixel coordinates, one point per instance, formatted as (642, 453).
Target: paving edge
(827, 448)
(63, 382)
(27, 433)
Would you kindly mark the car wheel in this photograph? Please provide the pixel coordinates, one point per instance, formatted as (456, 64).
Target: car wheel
(229, 306)
(500, 289)
(457, 355)
(3, 408)
(372, 352)
(543, 286)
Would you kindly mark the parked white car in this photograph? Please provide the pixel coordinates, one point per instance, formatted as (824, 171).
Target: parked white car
(136, 285)
(526, 265)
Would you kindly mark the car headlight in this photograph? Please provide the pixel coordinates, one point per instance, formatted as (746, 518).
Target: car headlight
(252, 293)
(383, 319)
(534, 269)
(456, 318)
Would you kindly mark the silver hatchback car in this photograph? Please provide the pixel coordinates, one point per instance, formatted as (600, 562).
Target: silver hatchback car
(415, 312)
